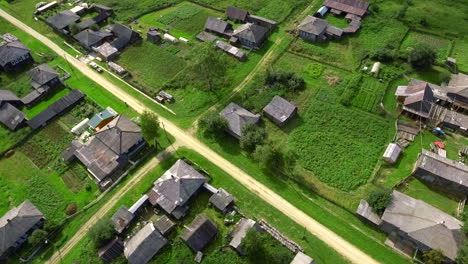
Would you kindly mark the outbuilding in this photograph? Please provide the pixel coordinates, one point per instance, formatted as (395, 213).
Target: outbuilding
(279, 110)
(392, 153)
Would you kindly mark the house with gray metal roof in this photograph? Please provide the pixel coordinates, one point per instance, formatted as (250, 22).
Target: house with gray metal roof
(237, 118)
(313, 29)
(279, 110)
(457, 90)
(121, 219)
(17, 225)
(9, 97)
(250, 35)
(10, 116)
(62, 20)
(109, 150)
(413, 224)
(199, 233)
(301, 258)
(173, 190)
(124, 36)
(89, 38)
(443, 173)
(355, 7)
(218, 26)
(13, 54)
(144, 245)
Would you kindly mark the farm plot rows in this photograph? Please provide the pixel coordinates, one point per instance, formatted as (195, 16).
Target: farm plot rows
(370, 95)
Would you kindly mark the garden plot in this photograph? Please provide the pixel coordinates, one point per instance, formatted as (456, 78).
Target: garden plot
(442, 46)
(459, 52)
(370, 95)
(339, 145)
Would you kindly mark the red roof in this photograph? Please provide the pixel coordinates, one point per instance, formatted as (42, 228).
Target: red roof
(440, 145)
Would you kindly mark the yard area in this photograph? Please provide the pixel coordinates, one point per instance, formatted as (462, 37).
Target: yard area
(441, 45)
(459, 52)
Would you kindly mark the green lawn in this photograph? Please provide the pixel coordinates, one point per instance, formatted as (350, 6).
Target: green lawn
(249, 203)
(441, 45)
(418, 190)
(337, 21)
(459, 52)
(57, 93)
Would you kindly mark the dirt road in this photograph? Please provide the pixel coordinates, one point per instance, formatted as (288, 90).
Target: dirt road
(343, 247)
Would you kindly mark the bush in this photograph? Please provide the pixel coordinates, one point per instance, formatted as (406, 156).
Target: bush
(379, 200)
(266, 155)
(262, 248)
(422, 56)
(384, 54)
(71, 209)
(37, 237)
(315, 70)
(462, 254)
(252, 136)
(212, 124)
(434, 256)
(286, 81)
(101, 232)
(74, 29)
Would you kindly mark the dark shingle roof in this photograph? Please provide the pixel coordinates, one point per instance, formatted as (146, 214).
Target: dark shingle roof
(458, 84)
(120, 134)
(313, 25)
(10, 116)
(217, 25)
(237, 118)
(200, 232)
(41, 75)
(176, 186)
(142, 247)
(8, 96)
(121, 219)
(355, 7)
(125, 36)
(63, 19)
(164, 225)
(251, 32)
(16, 222)
(11, 51)
(235, 13)
(222, 199)
(89, 38)
(280, 109)
(425, 223)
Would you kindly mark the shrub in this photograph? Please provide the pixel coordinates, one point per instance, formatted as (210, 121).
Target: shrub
(384, 54)
(71, 209)
(37, 236)
(462, 254)
(212, 124)
(422, 56)
(434, 256)
(379, 200)
(94, 27)
(149, 124)
(252, 135)
(315, 70)
(262, 248)
(266, 155)
(101, 232)
(74, 29)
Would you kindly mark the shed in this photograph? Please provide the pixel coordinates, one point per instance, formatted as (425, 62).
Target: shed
(121, 219)
(153, 36)
(392, 153)
(102, 118)
(10, 116)
(322, 11)
(170, 38)
(168, 97)
(144, 245)
(218, 26)
(111, 250)
(231, 50)
(375, 68)
(302, 258)
(199, 233)
(261, 21)
(164, 225)
(222, 200)
(236, 14)
(80, 127)
(239, 232)
(366, 213)
(106, 51)
(279, 110)
(116, 68)
(206, 37)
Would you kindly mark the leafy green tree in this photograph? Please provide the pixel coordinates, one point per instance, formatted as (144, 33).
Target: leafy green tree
(262, 248)
(422, 56)
(37, 236)
(379, 200)
(101, 232)
(74, 29)
(434, 256)
(266, 155)
(208, 66)
(212, 124)
(252, 135)
(94, 27)
(149, 124)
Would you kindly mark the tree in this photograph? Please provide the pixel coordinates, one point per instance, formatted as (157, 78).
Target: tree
(37, 236)
(262, 248)
(266, 155)
(252, 135)
(422, 56)
(212, 124)
(208, 66)
(379, 200)
(101, 232)
(94, 27)
(434, 256)
(74, 29)
(149, 124)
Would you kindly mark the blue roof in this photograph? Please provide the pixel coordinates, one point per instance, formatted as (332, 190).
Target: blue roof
(97, 118)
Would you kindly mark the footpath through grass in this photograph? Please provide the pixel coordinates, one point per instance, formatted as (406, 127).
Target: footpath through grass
(248, 202)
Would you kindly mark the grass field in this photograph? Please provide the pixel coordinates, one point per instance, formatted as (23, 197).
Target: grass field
(250, 204)
(370, 95)
(459, 51)
(441, 45)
